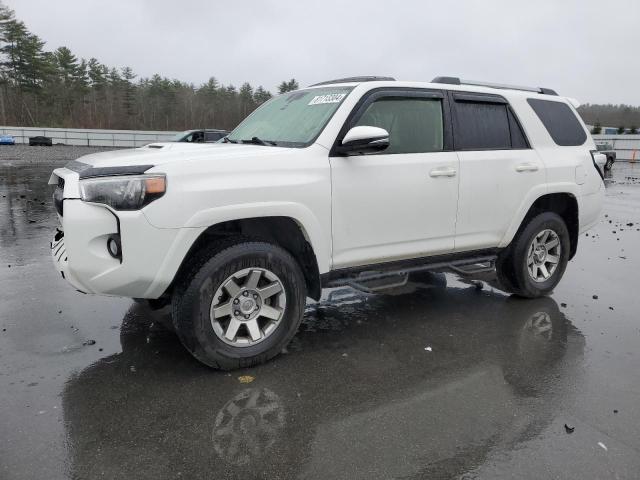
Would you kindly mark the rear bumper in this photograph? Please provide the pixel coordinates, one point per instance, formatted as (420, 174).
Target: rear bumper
(79, 251)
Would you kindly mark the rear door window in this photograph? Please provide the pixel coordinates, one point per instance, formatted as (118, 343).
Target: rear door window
(560, 122)
(485, 123)
(212, 136)
(518, 140)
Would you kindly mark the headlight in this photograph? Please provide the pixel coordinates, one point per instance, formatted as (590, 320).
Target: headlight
(127, 192)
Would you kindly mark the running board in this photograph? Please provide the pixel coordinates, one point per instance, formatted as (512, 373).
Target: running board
(373, 280)
(372, 285)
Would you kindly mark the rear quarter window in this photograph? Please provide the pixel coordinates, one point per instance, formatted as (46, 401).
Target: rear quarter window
(560, 122)
(213, 136)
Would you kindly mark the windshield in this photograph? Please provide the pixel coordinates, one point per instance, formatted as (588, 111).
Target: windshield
(179, 136)
(292, 119)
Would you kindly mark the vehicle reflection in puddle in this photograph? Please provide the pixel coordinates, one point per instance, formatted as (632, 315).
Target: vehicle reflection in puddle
(248, 426)
(356, 396)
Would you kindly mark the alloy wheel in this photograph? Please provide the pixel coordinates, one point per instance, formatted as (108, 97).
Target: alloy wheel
(248, 307)
(543, 256)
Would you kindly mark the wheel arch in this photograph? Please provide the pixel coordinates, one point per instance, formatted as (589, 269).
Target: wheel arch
(284, 231)
(565, 204)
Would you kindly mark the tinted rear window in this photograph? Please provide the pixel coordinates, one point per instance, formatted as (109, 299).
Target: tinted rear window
(212, 136)
(560, 122)
(481, 126)
(518, 140)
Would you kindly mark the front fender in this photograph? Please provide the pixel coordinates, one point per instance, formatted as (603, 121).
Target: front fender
(302, 215)
(204, 219)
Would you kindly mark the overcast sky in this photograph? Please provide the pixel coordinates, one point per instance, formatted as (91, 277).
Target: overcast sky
(583, 49)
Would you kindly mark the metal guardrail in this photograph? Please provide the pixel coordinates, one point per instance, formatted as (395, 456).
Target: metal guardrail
(89, 137)
(627, 147)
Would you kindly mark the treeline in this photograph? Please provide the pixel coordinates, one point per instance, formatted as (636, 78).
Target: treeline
(623, 117)
(56, 89)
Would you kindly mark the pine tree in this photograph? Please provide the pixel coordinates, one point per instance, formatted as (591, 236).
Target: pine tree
(128, 95)
(247, 104)
(288, 86)
(58, 89)
(261, 95)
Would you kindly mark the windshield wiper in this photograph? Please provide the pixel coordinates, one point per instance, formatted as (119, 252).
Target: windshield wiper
(228, 140)
(257, 141)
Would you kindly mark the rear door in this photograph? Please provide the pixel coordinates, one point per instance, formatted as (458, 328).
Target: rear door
(399, 203)
(497, 168)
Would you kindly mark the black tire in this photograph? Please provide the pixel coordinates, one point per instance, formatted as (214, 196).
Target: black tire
(609, 164)
(511, 266)
(196, 287)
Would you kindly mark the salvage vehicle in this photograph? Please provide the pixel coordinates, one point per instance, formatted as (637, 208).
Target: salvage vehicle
(7, 140)
(40, 141)
(607, 150)
(200, 136)
(363, 181)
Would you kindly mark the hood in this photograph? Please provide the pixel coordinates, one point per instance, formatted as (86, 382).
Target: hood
(160, 153)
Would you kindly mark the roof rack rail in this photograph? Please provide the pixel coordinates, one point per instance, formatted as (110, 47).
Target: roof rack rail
(370, 78)
(457, 81)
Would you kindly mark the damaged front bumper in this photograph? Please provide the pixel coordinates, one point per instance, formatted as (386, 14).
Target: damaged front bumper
(61, 260)
(80, 251)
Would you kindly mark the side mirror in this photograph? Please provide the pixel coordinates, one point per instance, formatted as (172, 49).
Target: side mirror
(364, 139)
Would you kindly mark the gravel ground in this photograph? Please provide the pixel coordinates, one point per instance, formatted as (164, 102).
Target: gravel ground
(22, 155)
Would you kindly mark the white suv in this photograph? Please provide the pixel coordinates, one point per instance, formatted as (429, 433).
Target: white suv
(361, 181)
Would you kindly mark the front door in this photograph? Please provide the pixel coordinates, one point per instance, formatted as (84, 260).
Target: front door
(400, 203)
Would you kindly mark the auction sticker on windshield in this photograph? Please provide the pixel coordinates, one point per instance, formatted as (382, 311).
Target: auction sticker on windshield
(331, 98)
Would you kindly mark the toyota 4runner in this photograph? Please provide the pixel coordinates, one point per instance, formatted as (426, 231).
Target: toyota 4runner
(361, 181)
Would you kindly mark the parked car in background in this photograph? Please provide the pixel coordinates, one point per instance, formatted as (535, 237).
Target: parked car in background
(607, 150)
(40, 141)
(201, 136)
(7, 140)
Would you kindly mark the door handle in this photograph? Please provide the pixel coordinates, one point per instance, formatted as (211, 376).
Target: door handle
(443, 172)
(527, 167)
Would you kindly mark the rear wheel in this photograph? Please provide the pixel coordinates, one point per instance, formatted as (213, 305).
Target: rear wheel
(239, 306)
(536, 259)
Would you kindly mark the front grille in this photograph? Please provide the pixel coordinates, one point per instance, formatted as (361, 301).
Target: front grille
(58, 249)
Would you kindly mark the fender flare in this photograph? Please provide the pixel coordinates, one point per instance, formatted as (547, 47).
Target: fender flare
(533, 196)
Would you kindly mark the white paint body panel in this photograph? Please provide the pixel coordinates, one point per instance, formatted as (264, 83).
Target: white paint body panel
(354, 211)
(388, 207)
(494, 187)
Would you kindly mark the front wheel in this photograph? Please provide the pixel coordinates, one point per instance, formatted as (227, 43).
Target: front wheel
(536, 259)
(609, 164)
(239, 306)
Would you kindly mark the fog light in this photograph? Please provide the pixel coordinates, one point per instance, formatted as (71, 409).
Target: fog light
(113, 247)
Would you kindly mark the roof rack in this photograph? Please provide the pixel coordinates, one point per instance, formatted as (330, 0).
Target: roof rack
(457, 81)
(369, 78)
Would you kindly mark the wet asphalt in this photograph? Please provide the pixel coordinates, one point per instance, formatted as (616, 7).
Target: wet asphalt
(426, 383)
